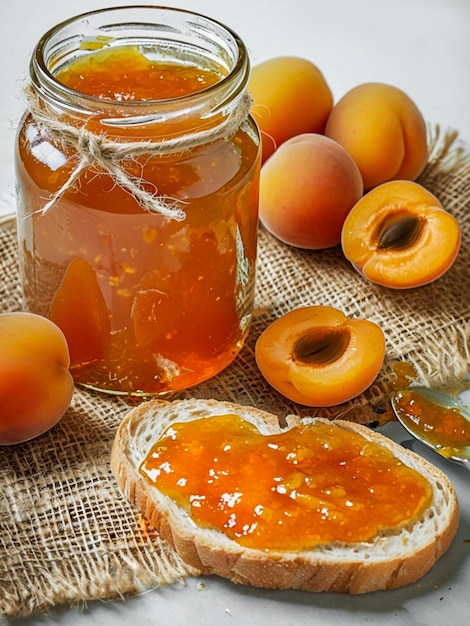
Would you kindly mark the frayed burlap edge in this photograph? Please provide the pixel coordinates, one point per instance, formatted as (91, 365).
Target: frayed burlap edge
(67, 536)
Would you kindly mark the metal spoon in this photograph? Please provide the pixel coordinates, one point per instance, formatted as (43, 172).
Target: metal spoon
(423, 412)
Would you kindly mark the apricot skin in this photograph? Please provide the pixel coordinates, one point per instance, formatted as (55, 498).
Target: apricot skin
(422, 253)
(36, 386)
(290, 97)
(383, 130)
(316, 356)
(307, 188)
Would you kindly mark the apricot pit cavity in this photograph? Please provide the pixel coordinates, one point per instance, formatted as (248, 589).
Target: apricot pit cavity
(400, 233)
(321, 346)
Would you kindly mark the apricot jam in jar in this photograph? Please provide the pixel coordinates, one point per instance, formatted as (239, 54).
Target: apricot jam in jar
(138, 167)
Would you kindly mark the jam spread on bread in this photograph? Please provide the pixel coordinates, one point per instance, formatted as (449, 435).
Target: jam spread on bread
(312, 484)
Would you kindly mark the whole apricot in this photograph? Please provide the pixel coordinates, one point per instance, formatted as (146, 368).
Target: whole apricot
(383, 130)
(399, 235)
(316, 356)
(36, 386)
(307, 188)
(290, 97)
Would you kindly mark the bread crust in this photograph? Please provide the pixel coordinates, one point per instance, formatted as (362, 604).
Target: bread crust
(392, 560)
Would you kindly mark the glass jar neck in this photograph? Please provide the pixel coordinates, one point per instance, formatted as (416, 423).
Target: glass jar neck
(167, 34)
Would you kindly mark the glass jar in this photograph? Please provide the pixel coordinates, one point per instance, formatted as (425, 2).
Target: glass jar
(138, 168)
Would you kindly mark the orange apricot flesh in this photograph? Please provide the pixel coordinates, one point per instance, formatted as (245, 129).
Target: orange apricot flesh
(316, 356)
(400, 236)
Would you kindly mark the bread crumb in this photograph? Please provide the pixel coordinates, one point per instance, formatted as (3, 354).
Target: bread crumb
(201, 586)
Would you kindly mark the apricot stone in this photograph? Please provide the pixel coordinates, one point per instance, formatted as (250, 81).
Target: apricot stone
(383, 130)
(316, 356)
(290, 97)
(307, 188)
(400, 236)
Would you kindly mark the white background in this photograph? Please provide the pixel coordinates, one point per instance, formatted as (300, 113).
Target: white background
(421, 46)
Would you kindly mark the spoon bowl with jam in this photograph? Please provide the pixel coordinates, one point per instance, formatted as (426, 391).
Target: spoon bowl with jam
(436, 419)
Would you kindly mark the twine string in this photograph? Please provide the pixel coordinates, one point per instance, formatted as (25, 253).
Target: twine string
(94, 149)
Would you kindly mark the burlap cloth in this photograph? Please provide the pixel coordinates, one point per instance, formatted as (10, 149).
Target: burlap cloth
(66, 533)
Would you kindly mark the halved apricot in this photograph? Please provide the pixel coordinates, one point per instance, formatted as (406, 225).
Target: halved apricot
(399, 235)
(316, 356)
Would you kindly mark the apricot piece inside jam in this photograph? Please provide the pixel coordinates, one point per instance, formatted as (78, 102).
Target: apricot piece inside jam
(313, 484)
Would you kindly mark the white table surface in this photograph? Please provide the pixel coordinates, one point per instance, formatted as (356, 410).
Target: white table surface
(421, 46)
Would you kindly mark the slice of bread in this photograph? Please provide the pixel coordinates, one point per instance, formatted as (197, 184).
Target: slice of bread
(392, 559)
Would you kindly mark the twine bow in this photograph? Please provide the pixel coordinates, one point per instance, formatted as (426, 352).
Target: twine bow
(110, 155)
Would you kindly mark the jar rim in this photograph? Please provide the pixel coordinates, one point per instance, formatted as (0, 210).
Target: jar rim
(52, 90)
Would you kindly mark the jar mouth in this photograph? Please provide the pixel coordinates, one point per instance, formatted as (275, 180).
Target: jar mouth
(165, 28)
